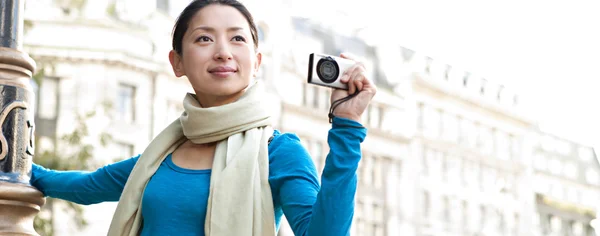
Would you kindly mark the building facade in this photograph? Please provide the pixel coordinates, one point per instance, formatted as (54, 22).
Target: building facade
(566, 191)
(447, 153)
(469, 154)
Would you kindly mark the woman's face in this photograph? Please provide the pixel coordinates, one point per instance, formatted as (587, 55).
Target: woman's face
(218, 55)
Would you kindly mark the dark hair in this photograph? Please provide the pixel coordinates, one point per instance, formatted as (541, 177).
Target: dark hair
(183, 21)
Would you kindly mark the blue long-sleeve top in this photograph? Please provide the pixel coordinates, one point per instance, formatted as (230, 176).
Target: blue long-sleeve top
(170, 205)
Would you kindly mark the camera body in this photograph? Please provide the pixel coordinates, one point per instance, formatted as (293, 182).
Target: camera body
(326, 70)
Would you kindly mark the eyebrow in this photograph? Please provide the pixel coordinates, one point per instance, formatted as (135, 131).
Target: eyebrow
(211, 29)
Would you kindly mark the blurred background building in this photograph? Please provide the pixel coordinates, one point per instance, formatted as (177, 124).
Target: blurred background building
(448, 152)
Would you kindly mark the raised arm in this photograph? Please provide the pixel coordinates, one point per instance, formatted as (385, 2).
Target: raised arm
(310, 209)
(84, 187)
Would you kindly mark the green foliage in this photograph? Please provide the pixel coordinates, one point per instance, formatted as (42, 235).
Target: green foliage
(70, 153)
(111, 10)
(27, 25)
(69, 5)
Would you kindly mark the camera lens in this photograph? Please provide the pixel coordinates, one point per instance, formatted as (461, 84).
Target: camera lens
(328, 70)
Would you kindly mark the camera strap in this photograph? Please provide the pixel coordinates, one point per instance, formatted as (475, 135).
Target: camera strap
(336, 103)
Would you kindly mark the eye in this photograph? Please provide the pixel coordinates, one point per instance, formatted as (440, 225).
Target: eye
(203, 39)
(239, 39)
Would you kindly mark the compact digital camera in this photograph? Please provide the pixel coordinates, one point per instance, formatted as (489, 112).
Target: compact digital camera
(326, 70)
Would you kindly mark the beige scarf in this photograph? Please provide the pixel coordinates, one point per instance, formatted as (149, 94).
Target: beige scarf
(240, 200)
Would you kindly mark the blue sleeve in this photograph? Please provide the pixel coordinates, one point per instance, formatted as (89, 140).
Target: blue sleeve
(309, 208)
(84, 187)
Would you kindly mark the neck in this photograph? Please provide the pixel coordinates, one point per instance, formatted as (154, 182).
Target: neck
(189, 143)
(207, 101)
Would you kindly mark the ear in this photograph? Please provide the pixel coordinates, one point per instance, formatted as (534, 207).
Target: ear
(176, 63)
(257, 63)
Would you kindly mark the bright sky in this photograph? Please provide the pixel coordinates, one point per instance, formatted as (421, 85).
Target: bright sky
(549, 50)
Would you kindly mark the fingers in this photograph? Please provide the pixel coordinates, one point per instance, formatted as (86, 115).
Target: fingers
(346, 55)
(348, 78)
(354, 77)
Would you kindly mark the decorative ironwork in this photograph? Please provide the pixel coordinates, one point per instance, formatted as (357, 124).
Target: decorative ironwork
(3, 114)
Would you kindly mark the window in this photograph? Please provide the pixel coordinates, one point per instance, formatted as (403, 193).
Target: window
(426, 201)
(378, 218)
(325, 98)
(542, 185)
(555, 224)
(378, 173)
(577, 228)
(591, 231)
(367, 170)
(445, 209)
(374, 115)
(316, 152)
(174, 110)
(572, 194)
(468, 133)
(420, 117)
(369, 219)
(571, 170)
(455, 210)
(483, 215)
(431, 122)
(482, 86)
(516, 224)
(433, 163)
(586, 154)
(465, 213)
(44, 144)
(304, 144)
(539, 161)
(261, 33)
(316, 94)
(293, 87)
(548, 143)
(557, 191)
(515, 147)
(471, 174)
(124, 150)
(392, 120)
(501, 222)
(162, 5)
(450, 127)
(489, 177)
(486, 140)
(358, 224)
(428, 62)
(592, 176)
(555, 166)
(261, 73)
(502, 145)
(563, 147)
(453, 167)
(126, 103)
(311, 96)
(48, 98)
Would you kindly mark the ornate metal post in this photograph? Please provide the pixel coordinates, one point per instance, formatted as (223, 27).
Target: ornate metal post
(19, 202)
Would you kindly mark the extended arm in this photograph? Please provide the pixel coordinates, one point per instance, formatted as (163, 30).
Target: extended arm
(84, 187)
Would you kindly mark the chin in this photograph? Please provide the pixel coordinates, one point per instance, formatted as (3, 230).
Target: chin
(227, 89)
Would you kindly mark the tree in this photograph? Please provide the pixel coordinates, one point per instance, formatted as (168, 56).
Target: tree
(71, 152)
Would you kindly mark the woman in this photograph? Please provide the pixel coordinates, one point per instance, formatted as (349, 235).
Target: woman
(220, 169)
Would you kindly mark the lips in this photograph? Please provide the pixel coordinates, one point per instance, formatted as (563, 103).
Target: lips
(222, 71)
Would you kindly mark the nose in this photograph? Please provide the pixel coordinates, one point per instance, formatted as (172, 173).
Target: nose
(223, 53)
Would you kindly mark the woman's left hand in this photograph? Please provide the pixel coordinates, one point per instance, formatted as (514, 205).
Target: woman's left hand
(356, 78)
